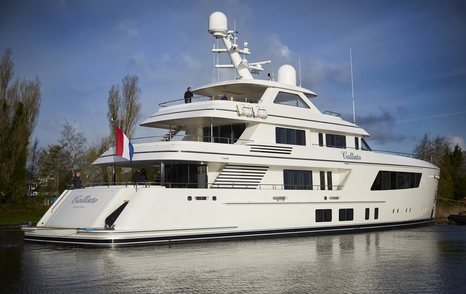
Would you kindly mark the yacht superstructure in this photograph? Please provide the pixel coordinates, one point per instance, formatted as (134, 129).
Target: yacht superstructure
(256, 158)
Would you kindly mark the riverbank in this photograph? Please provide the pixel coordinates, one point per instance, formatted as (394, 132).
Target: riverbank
(13, 216)
(443, 210)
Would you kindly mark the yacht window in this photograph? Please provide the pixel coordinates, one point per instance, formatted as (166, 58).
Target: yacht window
(392, 180)
(376, 213)
(227, 134)
(322, 180)
(290, 100)
(337, 141)
(329, 180)
(321, 139)
(290, 136)
(356, 143)
(323, 215)
(364, 145)
(367, 214)
(346, 214)
(185, 176)
(297, 180)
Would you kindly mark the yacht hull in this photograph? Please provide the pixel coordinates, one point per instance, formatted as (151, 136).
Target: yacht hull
(158, 215)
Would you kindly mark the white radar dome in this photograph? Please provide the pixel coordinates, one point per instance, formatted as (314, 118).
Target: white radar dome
(287, 75)
(218, 24)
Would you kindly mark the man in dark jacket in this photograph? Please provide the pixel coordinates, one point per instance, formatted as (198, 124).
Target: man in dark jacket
(188, 95)
(77, 180)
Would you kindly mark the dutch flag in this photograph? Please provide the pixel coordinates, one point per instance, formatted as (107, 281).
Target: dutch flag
(124, 148)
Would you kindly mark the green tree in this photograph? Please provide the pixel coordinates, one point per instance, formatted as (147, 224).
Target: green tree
(458, 173)
(19, 109)
(446, 185)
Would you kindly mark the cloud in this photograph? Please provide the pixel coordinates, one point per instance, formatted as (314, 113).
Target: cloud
(456, 140)
(191, 63)
(138, 60)
(128, 27)
(277, 51)
(381, 127)
(316, 72)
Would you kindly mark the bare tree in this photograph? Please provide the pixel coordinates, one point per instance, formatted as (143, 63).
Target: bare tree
(19, 109)
(74, 144)
(124, 109)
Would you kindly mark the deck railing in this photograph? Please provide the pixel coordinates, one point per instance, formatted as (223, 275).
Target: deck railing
(207, 98)
(191, 138)
(230, 185)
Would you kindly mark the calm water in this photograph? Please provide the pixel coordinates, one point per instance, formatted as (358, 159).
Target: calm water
(421, 260)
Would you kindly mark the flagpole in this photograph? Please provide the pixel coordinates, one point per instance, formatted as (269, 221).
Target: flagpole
(352, 87)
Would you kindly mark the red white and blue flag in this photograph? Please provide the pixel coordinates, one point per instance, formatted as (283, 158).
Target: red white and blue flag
(124, 148)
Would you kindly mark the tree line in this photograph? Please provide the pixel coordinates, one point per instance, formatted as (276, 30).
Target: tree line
(26, 168)
(452, 182)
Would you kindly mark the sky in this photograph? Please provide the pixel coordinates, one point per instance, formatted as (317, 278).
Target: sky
(409, 58)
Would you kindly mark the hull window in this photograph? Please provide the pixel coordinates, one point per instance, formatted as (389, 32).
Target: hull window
(367, 214)
(323, 215)
(392, 180)
(356, 143)
(346, 214)
(376, 213)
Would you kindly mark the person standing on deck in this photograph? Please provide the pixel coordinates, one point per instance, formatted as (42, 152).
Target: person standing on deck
(188, 95)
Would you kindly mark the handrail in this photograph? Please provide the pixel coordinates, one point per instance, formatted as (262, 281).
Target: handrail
(196, 99)
(192, 138)
(169, 185)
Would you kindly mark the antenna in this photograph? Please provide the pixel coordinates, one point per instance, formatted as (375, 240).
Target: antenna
(352, 86)
(299, 70)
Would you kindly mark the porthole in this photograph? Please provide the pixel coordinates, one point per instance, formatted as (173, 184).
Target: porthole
(190, 198)
(214, 198)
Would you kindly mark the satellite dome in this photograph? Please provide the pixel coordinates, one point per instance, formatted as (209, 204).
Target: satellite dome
(287, 75)
(218, 24)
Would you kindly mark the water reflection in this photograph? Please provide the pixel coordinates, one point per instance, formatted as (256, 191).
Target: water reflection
(414, 260)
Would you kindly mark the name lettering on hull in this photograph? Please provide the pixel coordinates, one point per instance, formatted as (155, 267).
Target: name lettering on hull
(350, 155)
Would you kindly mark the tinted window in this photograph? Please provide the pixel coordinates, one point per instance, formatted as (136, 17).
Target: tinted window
(346, 214)
(323, 215)
(364, 145)
(297, 180)
(393, 180)
(337, 141)
(290, 100)
(321, 139)
(290, 136)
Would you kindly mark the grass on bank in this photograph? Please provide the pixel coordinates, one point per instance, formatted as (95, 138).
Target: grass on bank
(29, 212)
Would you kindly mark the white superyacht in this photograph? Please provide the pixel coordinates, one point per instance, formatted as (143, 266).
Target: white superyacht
(256, 158)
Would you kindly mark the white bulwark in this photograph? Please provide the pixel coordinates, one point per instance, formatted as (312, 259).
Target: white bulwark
(245, 158)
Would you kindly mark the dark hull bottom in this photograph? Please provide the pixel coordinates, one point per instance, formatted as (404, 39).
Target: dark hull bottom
(96, 242)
